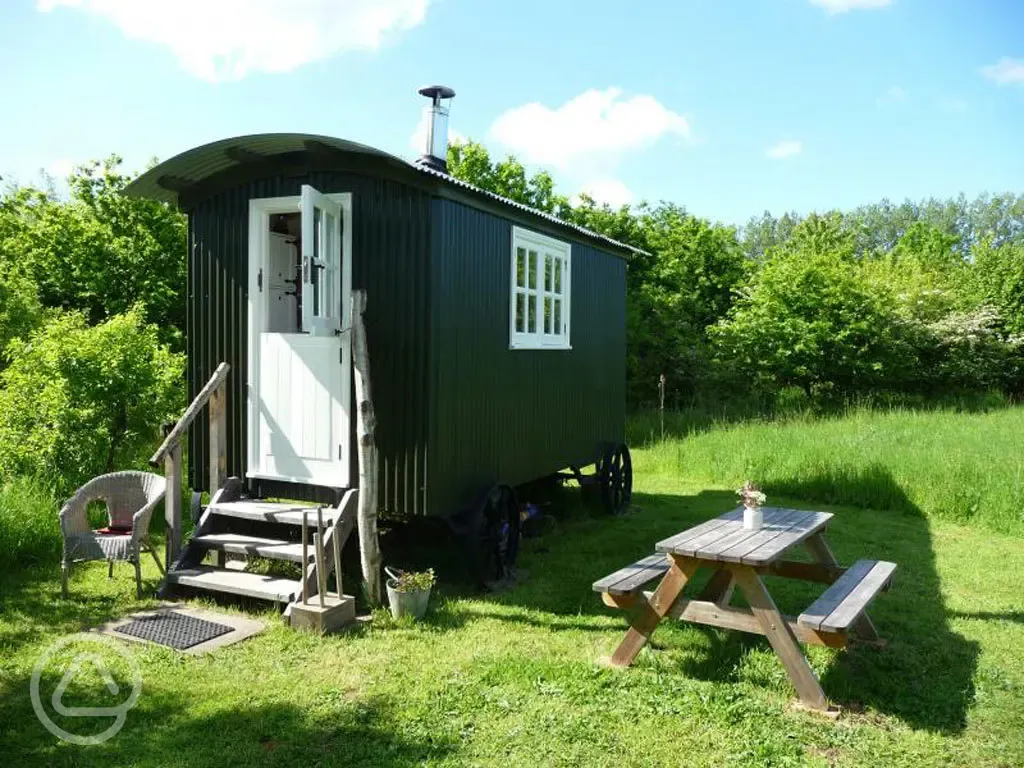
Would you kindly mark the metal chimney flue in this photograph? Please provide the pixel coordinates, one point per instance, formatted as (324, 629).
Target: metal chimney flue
(436, 152)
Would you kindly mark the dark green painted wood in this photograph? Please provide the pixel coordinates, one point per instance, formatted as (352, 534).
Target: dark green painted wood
(389, 243)
(456, 409)
(502, 415)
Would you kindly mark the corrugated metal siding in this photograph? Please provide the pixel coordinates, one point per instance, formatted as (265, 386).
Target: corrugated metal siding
(516, 415)
(390, 239)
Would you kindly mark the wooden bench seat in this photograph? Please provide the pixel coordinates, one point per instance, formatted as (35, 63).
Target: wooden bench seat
(630, 579)
(847, 599)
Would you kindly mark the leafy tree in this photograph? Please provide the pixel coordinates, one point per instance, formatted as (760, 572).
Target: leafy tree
(99, 252)
(998, 280)
(470, 161)
(685, 286)
(79, 400)
(970, 351)
(20, 310)
(809, 320)
(764, 232)
(997, 220)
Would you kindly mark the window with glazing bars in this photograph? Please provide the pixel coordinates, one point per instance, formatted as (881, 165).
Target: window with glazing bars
(541, 296)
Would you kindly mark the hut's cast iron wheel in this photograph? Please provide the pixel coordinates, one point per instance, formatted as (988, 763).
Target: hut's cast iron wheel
(494, 534)
(615, 479)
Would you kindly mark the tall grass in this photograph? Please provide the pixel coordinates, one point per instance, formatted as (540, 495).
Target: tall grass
(967, 467)
(29, 527)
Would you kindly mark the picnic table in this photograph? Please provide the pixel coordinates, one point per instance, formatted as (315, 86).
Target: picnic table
(739, 557)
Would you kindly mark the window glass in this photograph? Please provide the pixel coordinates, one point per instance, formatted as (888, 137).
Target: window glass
(318, 243)
(539, 296)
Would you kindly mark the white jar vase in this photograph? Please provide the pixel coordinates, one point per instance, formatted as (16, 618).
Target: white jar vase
(753, 518)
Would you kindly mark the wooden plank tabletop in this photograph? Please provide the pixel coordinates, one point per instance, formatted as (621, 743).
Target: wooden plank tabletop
(724, 539)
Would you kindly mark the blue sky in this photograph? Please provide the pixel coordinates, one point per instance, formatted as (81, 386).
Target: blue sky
(728, 107)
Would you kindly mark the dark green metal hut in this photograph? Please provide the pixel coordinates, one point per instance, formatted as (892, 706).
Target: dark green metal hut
(496, 332)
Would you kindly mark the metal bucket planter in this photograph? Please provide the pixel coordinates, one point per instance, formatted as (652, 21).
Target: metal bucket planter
(412, 603)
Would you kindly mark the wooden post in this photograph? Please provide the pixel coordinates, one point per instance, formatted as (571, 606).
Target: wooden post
(781, 637)
(218, 438)
(336, 544)
(173, 503)
(646, 620)
(661, 404)
(369, 545)
(305, 559)
(321, 561)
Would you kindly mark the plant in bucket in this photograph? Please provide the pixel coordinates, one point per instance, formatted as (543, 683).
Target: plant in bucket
(752, 499)
(409, 591)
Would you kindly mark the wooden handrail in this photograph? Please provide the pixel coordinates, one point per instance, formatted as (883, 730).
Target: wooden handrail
(170, 453)
(175, 435)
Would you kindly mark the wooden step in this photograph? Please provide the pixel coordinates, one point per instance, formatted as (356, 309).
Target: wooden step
(240, 544)
(843, 603)
(236, 583)
(272, 512)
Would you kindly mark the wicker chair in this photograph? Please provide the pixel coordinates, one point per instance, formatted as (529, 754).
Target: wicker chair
(130, 498)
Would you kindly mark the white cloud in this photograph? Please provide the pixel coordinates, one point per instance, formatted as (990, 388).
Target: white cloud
(842, 6)
(60, 168)
(594, 126)
(785, 149)
(418, 139)
(1006, 72)
(220, 40)
(611, 191)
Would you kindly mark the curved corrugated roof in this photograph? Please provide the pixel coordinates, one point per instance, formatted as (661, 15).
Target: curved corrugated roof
(167, 180)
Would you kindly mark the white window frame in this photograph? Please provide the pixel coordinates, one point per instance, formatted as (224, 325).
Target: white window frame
(545, 247)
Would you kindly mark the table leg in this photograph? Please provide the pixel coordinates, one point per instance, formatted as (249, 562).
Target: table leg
(651, 612)
(719, 588)
(781, 637)
(822, 552)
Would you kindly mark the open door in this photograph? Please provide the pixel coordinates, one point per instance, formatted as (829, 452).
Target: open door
(321, 264)
(301, 394)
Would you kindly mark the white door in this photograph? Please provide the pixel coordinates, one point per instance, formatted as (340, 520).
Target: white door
(301, 393)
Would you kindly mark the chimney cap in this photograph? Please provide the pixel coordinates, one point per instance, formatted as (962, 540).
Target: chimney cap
(437, 92)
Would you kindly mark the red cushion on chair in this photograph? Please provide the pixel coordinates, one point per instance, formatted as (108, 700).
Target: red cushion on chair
(115, 530)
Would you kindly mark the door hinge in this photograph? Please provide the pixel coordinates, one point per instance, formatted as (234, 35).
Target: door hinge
(339, 452)
(259, 280)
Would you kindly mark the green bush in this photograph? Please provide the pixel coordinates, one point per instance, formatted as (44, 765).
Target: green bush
(20, 310)
(29, 528)
(80, 400)
(99, 252)
(999, 280)
(810, 321)
(970, 352)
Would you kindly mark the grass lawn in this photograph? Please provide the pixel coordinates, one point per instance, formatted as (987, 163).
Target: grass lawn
(514, 679)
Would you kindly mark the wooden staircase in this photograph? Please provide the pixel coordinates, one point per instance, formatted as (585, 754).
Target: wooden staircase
(240, 528)
(244, 528)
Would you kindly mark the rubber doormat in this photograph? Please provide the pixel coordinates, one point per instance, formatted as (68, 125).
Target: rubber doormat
(175, 630)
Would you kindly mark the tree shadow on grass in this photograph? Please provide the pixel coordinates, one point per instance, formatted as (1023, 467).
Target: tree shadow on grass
(31, 606)
(239, 728)
(924, 676)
